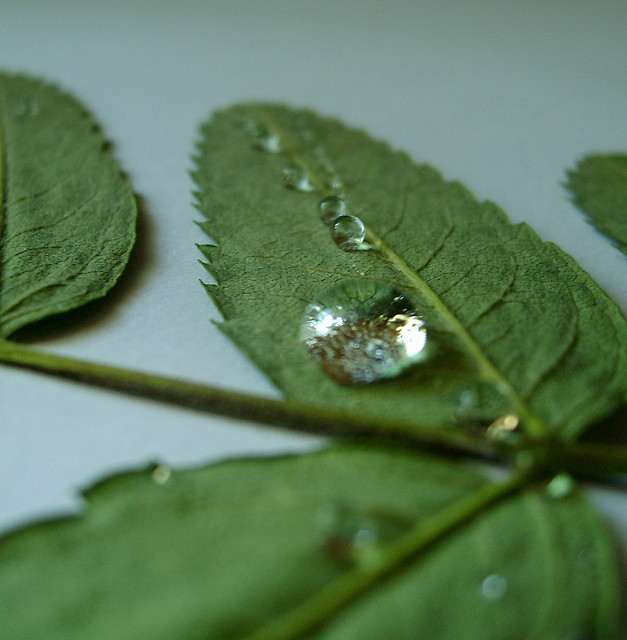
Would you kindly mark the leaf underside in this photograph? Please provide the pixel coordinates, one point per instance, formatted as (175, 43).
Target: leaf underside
(220, 552)
(67, 215)
(497, 298)
(599, 188)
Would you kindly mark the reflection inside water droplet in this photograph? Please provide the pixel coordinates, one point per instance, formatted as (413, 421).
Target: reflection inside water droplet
(331, 208)
(560, 486)
(161, 474)
(362, 331)
(295, 177)
(349, 233)
(494, 587)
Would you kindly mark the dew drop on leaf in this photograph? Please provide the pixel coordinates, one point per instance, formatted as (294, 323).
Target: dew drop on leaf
(331, 208)
(262, 138)
(295, 177)
(505, 429)
(161, 474)
(349, 233)
(351, 536)
(494, 587)
(25, 108)
(362, 331)
(335, 184)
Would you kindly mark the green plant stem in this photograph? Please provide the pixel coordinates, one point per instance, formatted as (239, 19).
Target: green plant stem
(242, 406)
(580, 459)
(335, 597)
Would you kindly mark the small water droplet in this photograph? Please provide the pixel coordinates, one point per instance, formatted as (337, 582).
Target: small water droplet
(494, 587)
(262, 138)
(484, 409)
(560, 486)
(335, 184)
(331, 208)
(362, 331)
(161, 474)
(295, 177)
(505, 429)
(357, 537)
(25, 108)
(349, 233)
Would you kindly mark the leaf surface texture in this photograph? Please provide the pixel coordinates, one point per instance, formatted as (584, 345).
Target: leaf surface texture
(67, 215)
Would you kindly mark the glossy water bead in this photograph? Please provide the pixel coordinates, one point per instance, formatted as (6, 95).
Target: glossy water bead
(362, 331)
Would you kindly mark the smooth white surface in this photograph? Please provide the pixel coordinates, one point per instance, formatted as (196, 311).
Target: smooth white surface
(500, 95)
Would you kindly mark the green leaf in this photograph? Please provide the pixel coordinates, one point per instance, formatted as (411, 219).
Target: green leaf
(599, 188)
(268, 546)
(514, 319)
(67, 215)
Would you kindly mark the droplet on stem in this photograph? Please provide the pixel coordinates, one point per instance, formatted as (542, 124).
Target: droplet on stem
(560, 486)
(262, 138)
(331, 208)
(505, 429)
(349, 233)
(161, 474)
(295, 177)
(363, 331)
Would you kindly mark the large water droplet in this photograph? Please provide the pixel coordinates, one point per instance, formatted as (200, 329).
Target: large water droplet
(349, 233)
(331, 208)
(262, 138)
(494, 587)
(295, 177)
(362, 331)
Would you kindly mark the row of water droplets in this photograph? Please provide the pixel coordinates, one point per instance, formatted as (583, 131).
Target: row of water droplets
(357, 332)
(364, 331)
(347, 231)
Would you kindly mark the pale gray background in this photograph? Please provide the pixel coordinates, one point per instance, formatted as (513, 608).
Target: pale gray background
(500, 95)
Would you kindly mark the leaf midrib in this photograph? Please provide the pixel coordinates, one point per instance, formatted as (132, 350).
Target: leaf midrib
(534, 425)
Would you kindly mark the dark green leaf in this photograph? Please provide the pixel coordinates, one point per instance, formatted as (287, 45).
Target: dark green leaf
(223, 552)
(67, 216)
(599, 188)
(503, 307)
